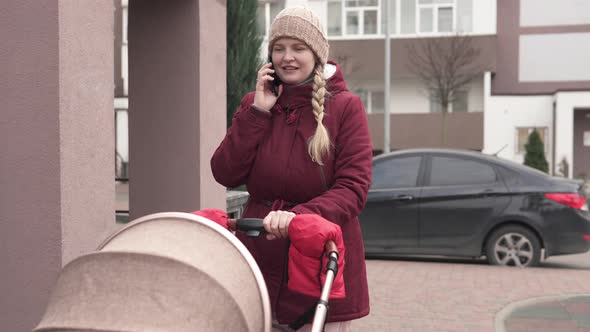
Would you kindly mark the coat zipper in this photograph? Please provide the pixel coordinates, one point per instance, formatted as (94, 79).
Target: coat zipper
(322, 174)
(285, 276)
(324, 184)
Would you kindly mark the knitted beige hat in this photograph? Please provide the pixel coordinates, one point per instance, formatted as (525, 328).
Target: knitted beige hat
(300, 23)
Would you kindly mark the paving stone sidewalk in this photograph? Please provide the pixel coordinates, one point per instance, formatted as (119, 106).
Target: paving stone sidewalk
(414, 296)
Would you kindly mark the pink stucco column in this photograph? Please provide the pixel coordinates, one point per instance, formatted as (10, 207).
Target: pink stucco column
(176, 104)
(56, 145)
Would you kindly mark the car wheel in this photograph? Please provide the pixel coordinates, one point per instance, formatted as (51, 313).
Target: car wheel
(513, 246)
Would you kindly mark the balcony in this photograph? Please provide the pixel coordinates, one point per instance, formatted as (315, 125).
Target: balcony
(464, 130)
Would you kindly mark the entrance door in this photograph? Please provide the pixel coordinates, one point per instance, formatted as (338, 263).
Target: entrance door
(581, 143)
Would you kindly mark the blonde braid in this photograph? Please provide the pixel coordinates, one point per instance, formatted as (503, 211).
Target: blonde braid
(319, 146)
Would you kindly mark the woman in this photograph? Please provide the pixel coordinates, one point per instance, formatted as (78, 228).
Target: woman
(304, 148)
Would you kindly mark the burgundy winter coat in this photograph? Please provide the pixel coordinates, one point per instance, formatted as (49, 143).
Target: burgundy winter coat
(267, 151)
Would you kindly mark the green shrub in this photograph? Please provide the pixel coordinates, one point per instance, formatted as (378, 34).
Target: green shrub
(243, 52)
(535, 153)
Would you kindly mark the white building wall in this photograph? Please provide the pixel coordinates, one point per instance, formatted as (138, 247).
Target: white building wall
(408, 95)
(503, 114)
(484, 16)
(551, 12)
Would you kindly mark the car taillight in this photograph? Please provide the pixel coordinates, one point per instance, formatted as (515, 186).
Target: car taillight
(575, 201)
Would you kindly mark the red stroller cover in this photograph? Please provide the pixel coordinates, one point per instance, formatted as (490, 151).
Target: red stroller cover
(307, 257)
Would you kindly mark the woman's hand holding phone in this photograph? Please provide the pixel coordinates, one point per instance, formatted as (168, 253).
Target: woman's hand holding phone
(265, 97)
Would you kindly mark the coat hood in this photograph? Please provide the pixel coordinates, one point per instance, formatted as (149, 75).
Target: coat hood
(296, 95)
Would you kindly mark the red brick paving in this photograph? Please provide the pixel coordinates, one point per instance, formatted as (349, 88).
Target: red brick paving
(455, 297)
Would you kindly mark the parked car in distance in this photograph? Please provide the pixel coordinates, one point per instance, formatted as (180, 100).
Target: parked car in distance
(460, 203)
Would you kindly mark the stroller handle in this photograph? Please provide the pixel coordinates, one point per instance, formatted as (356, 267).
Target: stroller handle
(331, 247)
(253, 227)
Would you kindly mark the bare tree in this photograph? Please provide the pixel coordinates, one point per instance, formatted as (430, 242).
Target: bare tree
(445, 66)
(347, 64)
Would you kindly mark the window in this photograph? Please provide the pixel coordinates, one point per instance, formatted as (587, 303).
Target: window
(266, 13)
(370, 22)
(354, 17)
(261, 18)
(377, 102)
(396, 173)
(335, 18)
(374, 101)
(121, 106)
(121, 160)
(426, 20)
(364, 95)
(454, 171)
(464, 16)
(445, 19)
(460, 104)
(392, 19)
(522, 138)
(436, 16)
(435, 106)
(367, 17)
(408, 16)
(352, 23)
(121, 139)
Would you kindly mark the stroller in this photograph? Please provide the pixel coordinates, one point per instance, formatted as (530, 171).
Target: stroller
(169, 272)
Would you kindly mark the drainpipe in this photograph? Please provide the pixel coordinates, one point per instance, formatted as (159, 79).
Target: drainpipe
(553, 134)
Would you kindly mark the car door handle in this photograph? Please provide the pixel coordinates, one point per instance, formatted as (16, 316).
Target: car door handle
(488, 192)
(403, 198)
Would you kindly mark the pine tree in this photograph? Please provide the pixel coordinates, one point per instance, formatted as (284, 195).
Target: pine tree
(243, 57)
(535, 153)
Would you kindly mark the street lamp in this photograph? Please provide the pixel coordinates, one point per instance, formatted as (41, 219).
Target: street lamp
(386, 135)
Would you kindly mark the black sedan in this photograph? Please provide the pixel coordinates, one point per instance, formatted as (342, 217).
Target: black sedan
(468, 204)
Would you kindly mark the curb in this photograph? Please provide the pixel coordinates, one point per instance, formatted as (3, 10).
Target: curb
(503, 314)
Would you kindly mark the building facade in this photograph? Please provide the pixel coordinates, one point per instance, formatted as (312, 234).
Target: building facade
(542, 81)
(534, 56)
(356, 31)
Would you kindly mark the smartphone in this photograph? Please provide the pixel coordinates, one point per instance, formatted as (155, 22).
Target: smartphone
(274, 86)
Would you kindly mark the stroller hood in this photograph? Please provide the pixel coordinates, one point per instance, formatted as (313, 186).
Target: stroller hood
(162, 272)
(116, 291)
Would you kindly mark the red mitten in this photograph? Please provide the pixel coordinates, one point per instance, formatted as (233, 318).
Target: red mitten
(308, 234)
(216, 215)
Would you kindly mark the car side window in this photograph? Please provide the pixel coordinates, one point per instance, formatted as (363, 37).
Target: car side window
(396, 173)
(455, 171)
